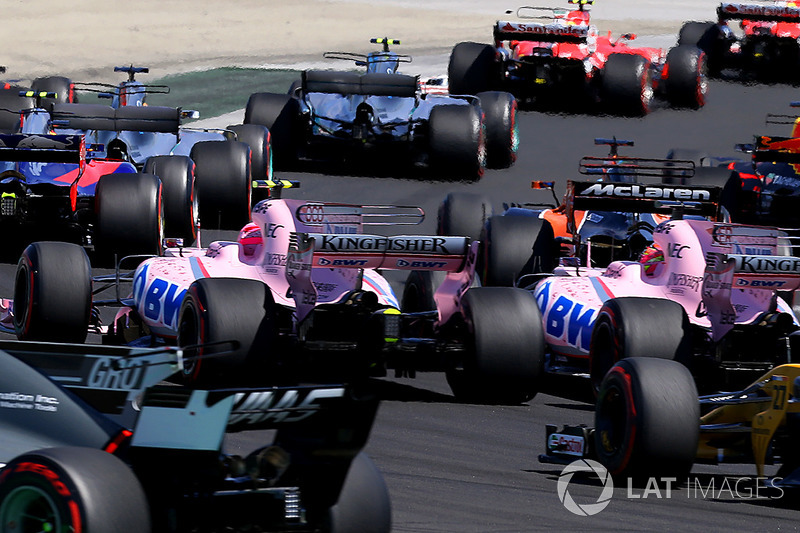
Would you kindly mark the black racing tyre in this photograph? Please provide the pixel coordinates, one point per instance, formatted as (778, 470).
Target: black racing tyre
(11, 103)
(224, 189)
(638, 327)
(502, 132)
(626, 87)
(364, 505)
(709, 38)
(257, 138)
(473, 68)
(71, 489)
(457, 147)
(227, 309)
(686, 84)
(130, 214)
(280, 114)
(176, 173)
(647, 419)
(464, 214)
(700, 158)
(513, 246)
(418, 290)
(504, 358)
(62, 86)
(53, 293)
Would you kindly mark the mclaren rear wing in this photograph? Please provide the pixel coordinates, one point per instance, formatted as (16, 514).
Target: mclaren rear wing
(757, 12)
(531, 31)
(641, 198)
(454, 255)
(35, 148)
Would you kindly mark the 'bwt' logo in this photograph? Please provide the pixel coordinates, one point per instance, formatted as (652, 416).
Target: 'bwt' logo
(587, 509)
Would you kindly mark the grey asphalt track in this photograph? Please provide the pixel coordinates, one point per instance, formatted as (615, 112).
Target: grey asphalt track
(455, 467)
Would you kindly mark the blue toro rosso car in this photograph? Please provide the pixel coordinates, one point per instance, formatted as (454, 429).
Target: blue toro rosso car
(349, 116)
(50, 189)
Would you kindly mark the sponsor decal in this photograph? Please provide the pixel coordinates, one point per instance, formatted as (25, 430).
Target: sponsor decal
(676, 250)
(421, 264)
(566, 318)
(645, 191)
(760, 283)
(270, 229)
(664, 227)
(685, 280)
(157, 299)
(374, 243)
(33, 402)
(285, 406)
(274, 259)
(566, 444)
(115, 373)
(759, 10)
(765, 264)
(544, 29)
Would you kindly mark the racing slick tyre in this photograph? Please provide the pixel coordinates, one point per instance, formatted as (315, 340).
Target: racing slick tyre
(176, 173)
(63, 88)
(513, 246)
(502, 133)
(72, 489)
(130, 215)
(473, 68)
(280, 114)
(709, 38)
(685, 84)
(647, 419)
(504, 356)
(364, 505)
(457, 148)
(257, 137)
(224, 189)
(11, 103)
(630, 327)
(626, 86)
(53, 293)
(223, 310)
(418, 290)
(463, 214)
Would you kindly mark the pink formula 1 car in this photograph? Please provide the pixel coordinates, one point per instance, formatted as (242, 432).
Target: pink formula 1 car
(566, 62)
(301, 295)
(705, 293)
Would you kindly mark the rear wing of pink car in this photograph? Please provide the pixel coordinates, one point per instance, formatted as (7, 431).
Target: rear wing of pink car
(756, 260)
(758, 12)
(454, 255)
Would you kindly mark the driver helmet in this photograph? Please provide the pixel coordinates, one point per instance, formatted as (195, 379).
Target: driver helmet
(651, 257)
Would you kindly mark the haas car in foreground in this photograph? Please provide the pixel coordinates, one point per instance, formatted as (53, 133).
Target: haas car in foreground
(650, 424)
(300, 293)
(343, 115)
(567, 63)
(94, 440)
(765, 48)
